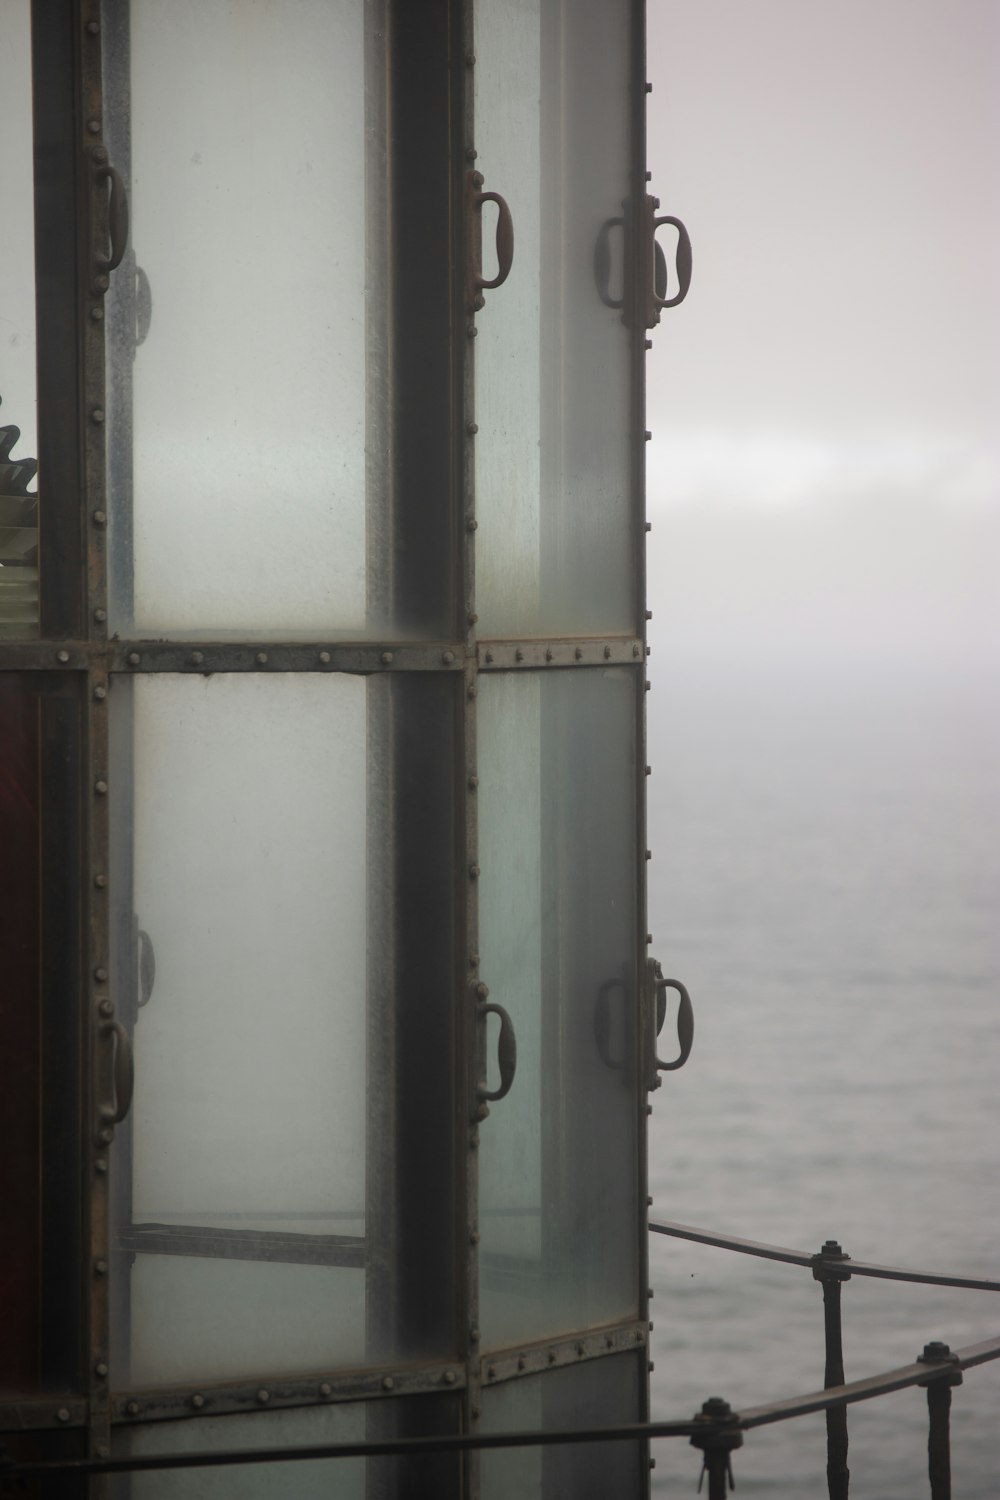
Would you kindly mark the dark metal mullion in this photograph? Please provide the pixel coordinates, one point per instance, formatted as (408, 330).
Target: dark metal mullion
(61, 190)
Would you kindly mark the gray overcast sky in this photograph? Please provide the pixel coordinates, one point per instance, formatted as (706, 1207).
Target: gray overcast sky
(824, 405)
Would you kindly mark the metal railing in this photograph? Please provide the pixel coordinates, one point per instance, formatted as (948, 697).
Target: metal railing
(937, 1367)
(716, 1430)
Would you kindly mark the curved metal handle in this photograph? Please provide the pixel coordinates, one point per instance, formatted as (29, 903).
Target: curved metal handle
(683, 262)
(477, 283)
(117, 219)
(506, 1052)
(685, 1021)
(602, 1023)
(143, 305)
(602, 262)
(147, 967)
(123, 1075)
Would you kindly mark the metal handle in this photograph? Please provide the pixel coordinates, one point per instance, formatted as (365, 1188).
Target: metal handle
(117, 219)
(683, 262)
(147, 967)
(123, 1075)
(506, 1052)
(602, 262)
(685, 1021)
(476, 282)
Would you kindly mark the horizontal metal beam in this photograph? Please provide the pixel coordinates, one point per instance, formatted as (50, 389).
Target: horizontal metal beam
(42, 1413)
(244, 1244)
(506, 656)
(803, 1258)
(510, 1364)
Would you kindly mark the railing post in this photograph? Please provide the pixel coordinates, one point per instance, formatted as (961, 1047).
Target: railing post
(939, 1414)
(717, 1439)
(830, 1270)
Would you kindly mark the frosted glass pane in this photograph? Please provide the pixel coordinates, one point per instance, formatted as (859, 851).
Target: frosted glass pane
(603, 1393)
(18, 441)
(558, 1208)
(319, 1479)
(555, 545)
(243, 333)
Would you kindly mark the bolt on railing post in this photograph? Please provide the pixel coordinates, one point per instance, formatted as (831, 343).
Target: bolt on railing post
(717, 1438)
(939, 1417)
(829, 1269)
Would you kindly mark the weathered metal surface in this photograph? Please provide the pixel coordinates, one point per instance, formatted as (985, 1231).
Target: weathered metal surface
(552, 1354)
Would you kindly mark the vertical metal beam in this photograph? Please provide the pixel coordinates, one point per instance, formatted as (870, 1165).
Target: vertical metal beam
(832, 1275)
(939, 1418)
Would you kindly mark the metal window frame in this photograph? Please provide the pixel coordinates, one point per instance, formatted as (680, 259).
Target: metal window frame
(78, 658)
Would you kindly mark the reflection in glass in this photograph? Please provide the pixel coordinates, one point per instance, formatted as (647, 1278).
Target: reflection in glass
(558, 1209)
(554, 546)
(18, 507)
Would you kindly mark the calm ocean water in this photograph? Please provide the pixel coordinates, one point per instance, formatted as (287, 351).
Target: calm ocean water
(826, 880)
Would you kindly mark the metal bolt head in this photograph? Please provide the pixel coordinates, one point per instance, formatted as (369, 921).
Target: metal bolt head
(449, 1377)
(100, 1369)
(387, 1382)
(93, 28)
(100, 693)
(325, 658)
(470, 59)
(479, 302)
(62, 656)
(100, 1268)
(473, 783)
(471, 153)
(100, 518)
(97, 313)
(325, 1388)
(197, 658)
(607, 653)
(386, 658)
(473, 617)
(197, 1402)
(100, 615)
(101, 1164)
(447, 657)
(474, 1237)
(549, 654)
(473, 872)
(133, 1409)
(472, 331)
(94, 126)
(578, 653)
(471, 691)
(474, 1331)
(133, 658)
(472, 428)
(831, 1248)
(716, 1408)
(100, 975)
(261, 658)
(263, 1397)
(106, 1136)
(101, 283)
(519, 654)
(471, 523)
(482, 990)
(62, 1415)
(101, 882)
(935, 1350)
(473, 960)
(97, 415)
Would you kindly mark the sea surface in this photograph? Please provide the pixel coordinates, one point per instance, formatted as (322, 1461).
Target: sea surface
(826, 880)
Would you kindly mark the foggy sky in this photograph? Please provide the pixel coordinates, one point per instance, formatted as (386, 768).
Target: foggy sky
(825, 461)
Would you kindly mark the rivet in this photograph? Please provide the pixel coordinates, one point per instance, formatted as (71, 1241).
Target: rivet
(474, 1237)
(387, 1382)
(649, 525)
(580, 1351)
(134, 658)
(385, 658)
(101, 1164)
(649, 176)
(519, 654)
(472, 428)
(649, 1109)
(652, 1463)
(62, 1415)
(649, 650)
(325, 658)
(100, 518)
(101, 283)
(62, 656)
(650, 1292)
(471, 153)
(478, 179)
(552, 1356)
(93, 28)
(649, 1200)
(100, 1369)
(100, 693)
(482, 990)
(649, 853)
(635, 649)
(651, 1325)
(197, 1402)
(489, 656)
(473, 617)
(472, 331)
(261, 658)
(449, 1377)
(649, 614)
(447, 657)
(94, 126)
(473, 872)
(649, 770)
(473, 783)
(325, 1388)
(578, 653)
(491, 1373)
(648, 435)
(470, 59)
(548, 653)
(100, 1268)
(263, 1397)
(101, 882)
(471, 691)
(105, 1136)
(97, 313)
(649, 686)
(521, 1362)
(473, 1139)
(133, 1409)
(473, 1334)
(482, 1111)
(97, 415)
(649, 343)
(101, 788)
(100, 975)
(649, 88)
(652, 1367)
(639, 1335)
(197, 657)
(607, 653)
(100, 615)
(479, 302)
(473, 960)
